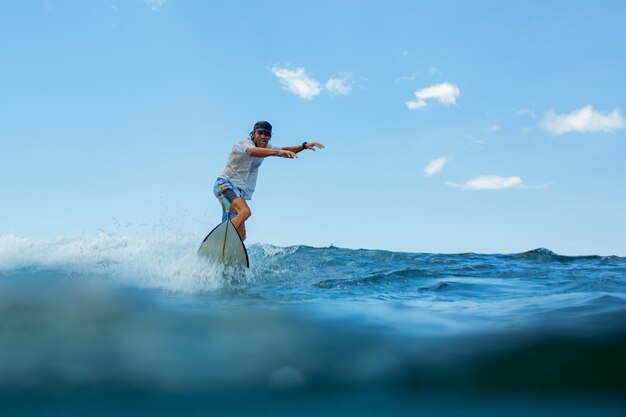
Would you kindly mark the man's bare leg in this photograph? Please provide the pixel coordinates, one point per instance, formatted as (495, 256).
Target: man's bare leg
(242, 213)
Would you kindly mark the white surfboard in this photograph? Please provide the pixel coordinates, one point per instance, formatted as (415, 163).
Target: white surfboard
(224, 245)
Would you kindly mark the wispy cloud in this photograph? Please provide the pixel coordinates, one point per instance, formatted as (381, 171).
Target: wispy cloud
(155, 5)
(339, 85)
(298, 82)
(489, 182)
(526, 112)
(435, 166)
(410, 77)
(413, 76)
(584, 120)
(474, 141)
(304, 86)
(493, 128)
(445, 93)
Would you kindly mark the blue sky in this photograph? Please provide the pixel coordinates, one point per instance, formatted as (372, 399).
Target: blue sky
(449, 126)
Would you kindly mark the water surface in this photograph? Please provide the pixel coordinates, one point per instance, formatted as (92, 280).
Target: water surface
(127, 326)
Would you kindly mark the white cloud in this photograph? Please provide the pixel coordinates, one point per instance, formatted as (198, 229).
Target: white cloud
(489, 182)
(493, 128)
(435, 166)
(114, 8)
(584, 120)
(474, 141)
(155, 5)
(413, 76)
(340, 85)
(526, 112)
(298, 82)
(410, 77)
(444, 93)
(304, 86)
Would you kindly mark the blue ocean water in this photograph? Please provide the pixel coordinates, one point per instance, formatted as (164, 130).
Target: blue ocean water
(120, 325)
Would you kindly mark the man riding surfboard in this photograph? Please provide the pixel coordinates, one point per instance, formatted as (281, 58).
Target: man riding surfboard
(236, 184)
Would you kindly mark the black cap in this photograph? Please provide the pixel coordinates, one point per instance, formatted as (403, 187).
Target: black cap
(265, 126)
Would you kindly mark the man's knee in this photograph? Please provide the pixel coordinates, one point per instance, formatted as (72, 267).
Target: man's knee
(241, 209)
(246, 213)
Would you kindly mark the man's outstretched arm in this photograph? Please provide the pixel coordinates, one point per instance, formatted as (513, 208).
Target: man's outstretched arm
(264, 152)
(286, 152)
(305, 145)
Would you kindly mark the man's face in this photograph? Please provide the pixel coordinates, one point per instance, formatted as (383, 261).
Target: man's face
(261, 138)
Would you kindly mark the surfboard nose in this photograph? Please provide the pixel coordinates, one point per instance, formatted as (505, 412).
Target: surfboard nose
(224, 245)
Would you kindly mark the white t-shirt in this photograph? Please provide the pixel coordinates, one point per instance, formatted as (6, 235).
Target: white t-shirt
(242, 170)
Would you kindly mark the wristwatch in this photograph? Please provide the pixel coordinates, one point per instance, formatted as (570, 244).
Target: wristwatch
(304, 145)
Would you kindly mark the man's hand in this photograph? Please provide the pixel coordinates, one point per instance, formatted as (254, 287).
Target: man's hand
(287, 154)
(313, 145)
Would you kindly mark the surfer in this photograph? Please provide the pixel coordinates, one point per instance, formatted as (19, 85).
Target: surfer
(237, 182)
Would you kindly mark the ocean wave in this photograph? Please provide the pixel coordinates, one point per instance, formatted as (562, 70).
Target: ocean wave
(546, 255)
(166, 263)
(270, 251)
(73, 334)
(381, 278)
(171, 263)
(309, 319)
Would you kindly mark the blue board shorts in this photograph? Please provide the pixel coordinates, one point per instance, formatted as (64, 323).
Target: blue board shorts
(226, 192)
